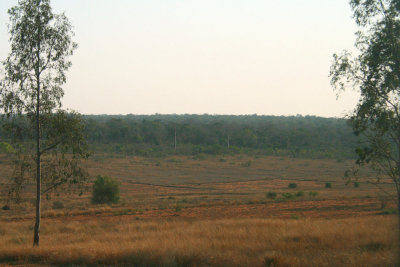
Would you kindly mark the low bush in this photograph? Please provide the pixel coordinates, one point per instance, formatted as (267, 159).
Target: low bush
(288, 196)
(105, 190)
(58, 205)
(292, 185)
(389, 212)
(272, 195)
(247, 163)
(312, 194)
(328, 185)
(300, 194)
(356, 184)
(178, 207)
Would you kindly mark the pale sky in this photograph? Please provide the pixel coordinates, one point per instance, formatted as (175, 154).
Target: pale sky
(203, 56)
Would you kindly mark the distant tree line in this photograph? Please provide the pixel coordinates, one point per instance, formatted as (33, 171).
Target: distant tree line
(296, 136)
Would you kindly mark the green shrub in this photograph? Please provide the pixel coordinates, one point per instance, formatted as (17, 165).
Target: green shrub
(58, 205)
(247, 163)
(300, 194)
(105, 190)
(6, 148)
(288, 196)
(389, 211)
(178, 207)
(272, 195)
(312, 194)
(328, 185)
(292, 185)
(356, 184)
(200, 156)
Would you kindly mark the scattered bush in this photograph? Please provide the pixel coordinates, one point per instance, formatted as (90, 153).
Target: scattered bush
(184, 200)
(328, 185)
(105, 190)
(247, 163)
(272, 195)
(122, 212)
(6, 148)
(5, 207)
(200, 156)
(292, 185)
(356, 184)
(300, 194)
(389, 212)
(288, 196)
(178, 207)
(58, 205)
(274, 260)
(373, 246)
(312, 194)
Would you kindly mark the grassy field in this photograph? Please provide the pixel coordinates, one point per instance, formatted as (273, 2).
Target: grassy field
(209, 211)
(366, 241)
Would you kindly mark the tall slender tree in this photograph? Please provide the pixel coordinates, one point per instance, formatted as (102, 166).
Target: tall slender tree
(30, 96)
(375, 73)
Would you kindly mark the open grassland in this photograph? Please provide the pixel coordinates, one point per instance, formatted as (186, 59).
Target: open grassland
(184, 182)
(366, 241)
(209, 211)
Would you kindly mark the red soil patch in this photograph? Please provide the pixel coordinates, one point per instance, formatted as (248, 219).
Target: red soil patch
(285, 210)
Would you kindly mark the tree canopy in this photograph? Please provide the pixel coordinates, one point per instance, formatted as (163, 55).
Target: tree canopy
(375, 72)
(49, 141)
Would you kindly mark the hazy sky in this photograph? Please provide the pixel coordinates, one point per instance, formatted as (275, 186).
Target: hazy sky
(203, 56)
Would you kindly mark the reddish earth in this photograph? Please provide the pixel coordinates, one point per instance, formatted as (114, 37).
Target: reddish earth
(314, 209)
(283, 210)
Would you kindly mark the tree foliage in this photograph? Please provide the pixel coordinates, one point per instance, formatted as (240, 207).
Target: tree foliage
(375, 72)
(49, 141)
(6, 148)
(297, 136)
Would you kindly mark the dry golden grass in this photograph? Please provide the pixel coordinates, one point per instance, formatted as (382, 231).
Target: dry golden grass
(180, 211)
(365, 241)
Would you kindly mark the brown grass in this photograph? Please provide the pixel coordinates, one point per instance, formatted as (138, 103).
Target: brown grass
(179, 211)
(365, 241)
(162, 182)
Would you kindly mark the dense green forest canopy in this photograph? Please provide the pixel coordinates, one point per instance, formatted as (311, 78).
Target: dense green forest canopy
(297, 136)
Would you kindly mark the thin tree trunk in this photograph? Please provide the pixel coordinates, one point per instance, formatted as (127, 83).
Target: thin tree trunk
(38, 174)
(397, 183)
(398, 222)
